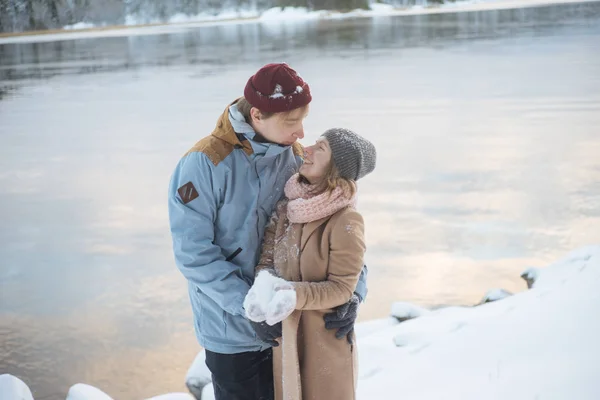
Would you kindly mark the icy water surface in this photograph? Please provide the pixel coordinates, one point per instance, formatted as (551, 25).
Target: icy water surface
(486, 124)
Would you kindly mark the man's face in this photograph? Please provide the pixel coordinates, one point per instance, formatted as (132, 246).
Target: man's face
(281, 128)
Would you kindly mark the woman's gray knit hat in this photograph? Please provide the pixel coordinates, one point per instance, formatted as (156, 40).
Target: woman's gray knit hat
(354, 156)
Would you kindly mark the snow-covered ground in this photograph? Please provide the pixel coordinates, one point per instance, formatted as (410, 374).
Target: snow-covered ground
(538, 344)
(181, 22)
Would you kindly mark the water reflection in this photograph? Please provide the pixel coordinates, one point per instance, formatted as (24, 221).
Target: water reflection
(216, 47)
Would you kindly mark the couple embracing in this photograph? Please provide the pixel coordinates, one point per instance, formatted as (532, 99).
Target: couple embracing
(267, 234)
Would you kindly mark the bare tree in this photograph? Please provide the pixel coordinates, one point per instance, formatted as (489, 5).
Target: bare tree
(53, 7)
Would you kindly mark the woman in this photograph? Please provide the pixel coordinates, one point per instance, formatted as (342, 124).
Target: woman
(314, 246)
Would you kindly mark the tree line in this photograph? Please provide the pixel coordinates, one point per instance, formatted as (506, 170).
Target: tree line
(31, 15)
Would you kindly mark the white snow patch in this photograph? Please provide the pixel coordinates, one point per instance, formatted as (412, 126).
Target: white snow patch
(81, 391)
(531, 275)
(495, 295)
(180, 18)
(278, 14)
(13, 388)
(299, 89)
(277, 93)
(198, 375)
(79, 25)
(404, 311)
(381, 9)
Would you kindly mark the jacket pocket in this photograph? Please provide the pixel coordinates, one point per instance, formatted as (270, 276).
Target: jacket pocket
(210, 321)
(233, 255)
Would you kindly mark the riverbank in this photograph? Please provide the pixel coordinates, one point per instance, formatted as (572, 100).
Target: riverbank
(274, 15)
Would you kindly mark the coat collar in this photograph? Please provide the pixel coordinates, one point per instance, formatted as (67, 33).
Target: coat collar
(224, 131)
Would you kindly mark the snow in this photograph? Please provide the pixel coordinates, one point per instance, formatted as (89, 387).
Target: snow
(12, 388)
(495, 295)
(277, 93)
(404, 311)
(530, 275)
(198, 376)
(132, 20)
(269, 299)
(82, 391)
(79, 25)
(278, 14)
(537, 344)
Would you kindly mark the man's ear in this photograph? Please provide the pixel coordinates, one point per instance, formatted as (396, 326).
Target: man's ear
(255, 114)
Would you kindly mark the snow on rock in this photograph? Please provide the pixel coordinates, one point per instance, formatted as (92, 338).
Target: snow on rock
(12, 388)
(198, 375)
(530, 275)
(538, 344)
(495, 295)
(82, 391)
(404, 311)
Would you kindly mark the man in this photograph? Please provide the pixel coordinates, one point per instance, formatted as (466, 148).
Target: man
(221, 196)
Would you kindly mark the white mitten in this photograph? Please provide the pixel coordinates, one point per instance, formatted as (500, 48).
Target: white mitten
(252, 305)
(282, 304)
(260, 294)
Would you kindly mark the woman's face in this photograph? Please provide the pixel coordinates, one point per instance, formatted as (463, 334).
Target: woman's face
(316, 161)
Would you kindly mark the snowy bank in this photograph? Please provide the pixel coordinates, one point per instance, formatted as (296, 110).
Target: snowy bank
(538, 344)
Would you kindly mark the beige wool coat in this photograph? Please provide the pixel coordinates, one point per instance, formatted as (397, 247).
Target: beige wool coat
(324, 258)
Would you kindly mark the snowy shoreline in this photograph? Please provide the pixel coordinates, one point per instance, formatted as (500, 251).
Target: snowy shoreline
(537, 344)
(181, 22)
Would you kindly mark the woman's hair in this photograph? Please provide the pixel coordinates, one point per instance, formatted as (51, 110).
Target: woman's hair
(331, 180)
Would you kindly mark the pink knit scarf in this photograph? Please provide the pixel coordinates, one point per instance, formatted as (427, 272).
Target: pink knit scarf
(304, 207)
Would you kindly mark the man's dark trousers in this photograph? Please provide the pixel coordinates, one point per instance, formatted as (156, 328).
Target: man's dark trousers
(243, 376)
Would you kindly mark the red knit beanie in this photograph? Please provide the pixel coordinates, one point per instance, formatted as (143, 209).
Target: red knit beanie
(277, 88)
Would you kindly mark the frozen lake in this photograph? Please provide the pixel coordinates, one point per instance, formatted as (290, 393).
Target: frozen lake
(486, 123)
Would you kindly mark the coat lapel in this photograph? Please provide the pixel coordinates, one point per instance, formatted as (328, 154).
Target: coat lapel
(309, 229)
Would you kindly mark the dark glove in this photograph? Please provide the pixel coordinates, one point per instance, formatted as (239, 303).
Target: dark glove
(267, 333)
(343, 318)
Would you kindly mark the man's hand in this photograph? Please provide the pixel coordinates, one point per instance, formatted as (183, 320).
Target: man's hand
(343, 318)
(267, 333)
